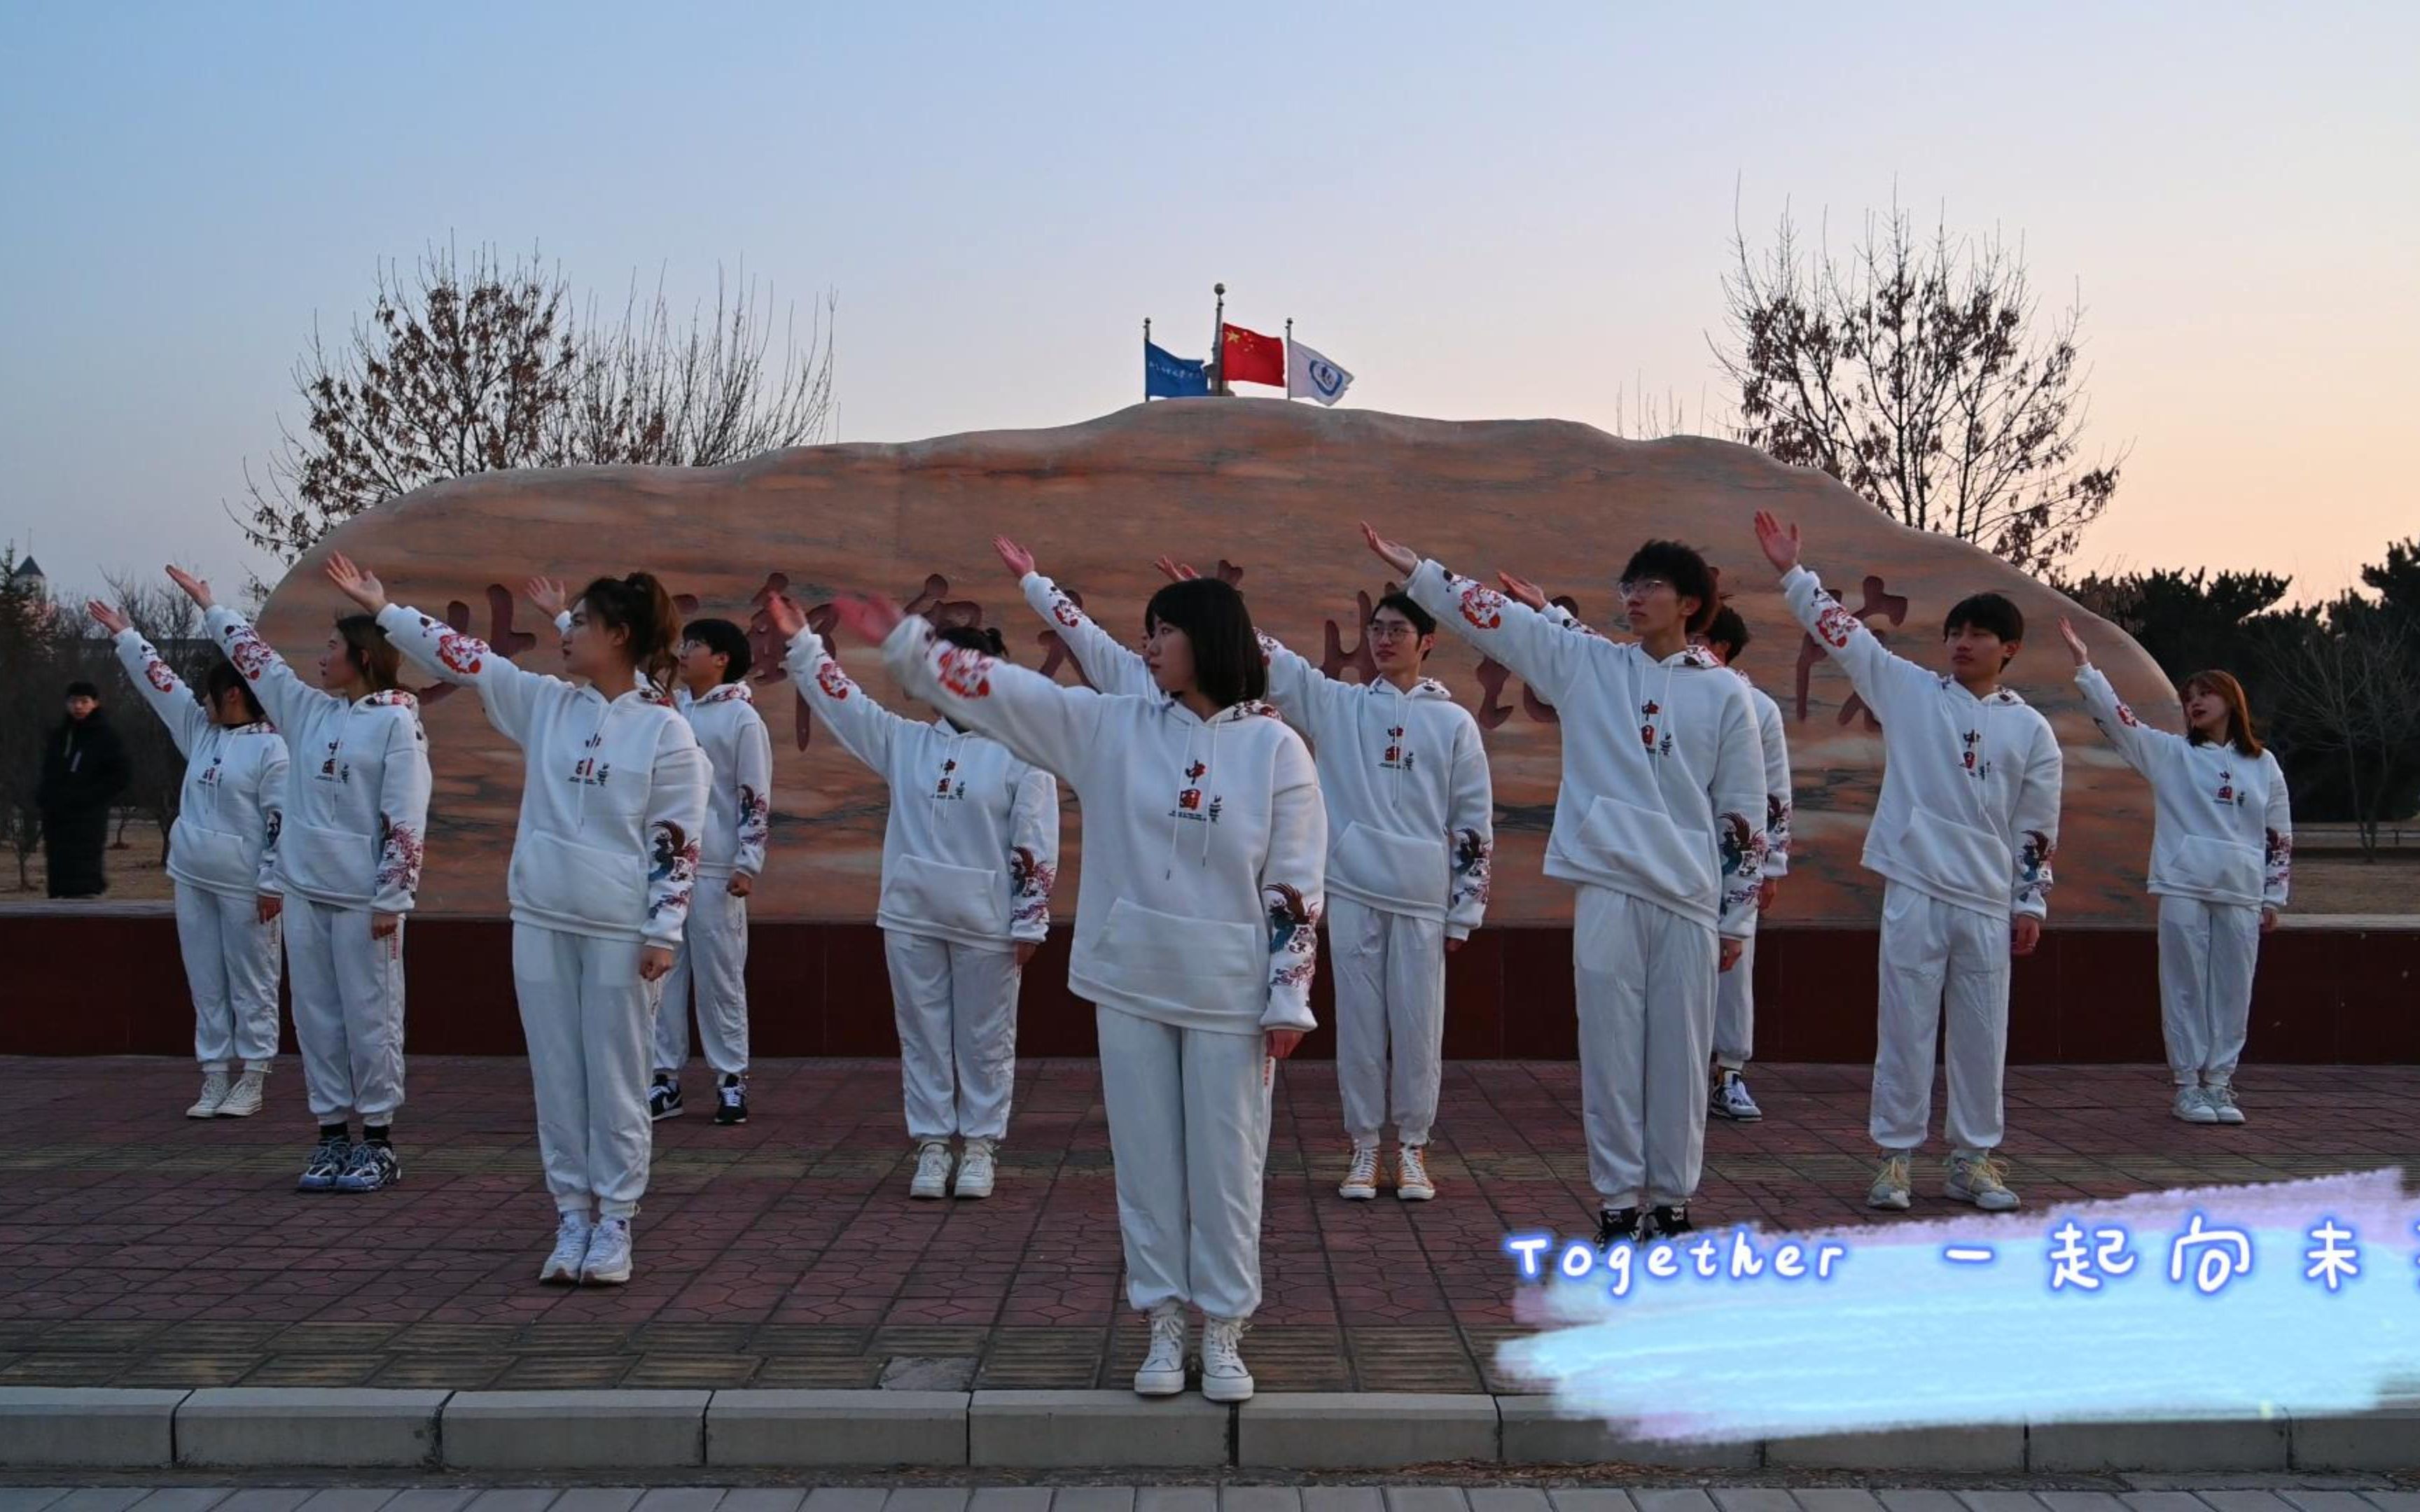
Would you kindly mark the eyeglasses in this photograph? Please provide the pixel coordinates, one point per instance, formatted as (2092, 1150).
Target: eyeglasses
(1390, 630)
(1641, 587)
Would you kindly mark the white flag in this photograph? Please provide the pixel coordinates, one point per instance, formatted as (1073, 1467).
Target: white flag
(1310, 376)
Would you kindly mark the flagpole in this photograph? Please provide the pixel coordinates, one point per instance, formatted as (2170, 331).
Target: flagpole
(1146, 359)
(1289, 357)
(1219, 344)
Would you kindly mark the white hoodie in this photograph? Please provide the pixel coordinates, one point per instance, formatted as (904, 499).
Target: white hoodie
(356, 783)
(740, 793)
(1215, 927)
(1411, 813)
(1969, 808)
(2223, 830)
(1662, 795)
(971, 851)
(233, 802)
(613, 796)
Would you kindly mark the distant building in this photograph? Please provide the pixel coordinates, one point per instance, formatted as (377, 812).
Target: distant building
(27, 575)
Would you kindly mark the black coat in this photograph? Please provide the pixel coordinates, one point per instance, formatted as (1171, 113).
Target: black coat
(84, 767)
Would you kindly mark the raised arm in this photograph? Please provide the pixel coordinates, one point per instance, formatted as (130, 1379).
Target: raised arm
(1542, 654)
(512, 696)
(161, 687)
(1739, 798)
(403, 820)
(862, 726)
(1033, 854)
(2140, 745)
(1109, 664)
(1294, 885)
(676, 820)
(1470, 834)
(2278, 852)
(283, 695)
(1044, 723)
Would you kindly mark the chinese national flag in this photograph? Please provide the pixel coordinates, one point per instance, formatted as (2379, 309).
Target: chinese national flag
(1248, 357)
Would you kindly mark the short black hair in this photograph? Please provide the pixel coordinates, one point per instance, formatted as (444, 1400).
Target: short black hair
(722, 639)
(984, 637)
(1990, 612)
(1729, 631)
(222, 676)
(1685, 570)
(82, 689)
(1227, 661)
(1423, 623)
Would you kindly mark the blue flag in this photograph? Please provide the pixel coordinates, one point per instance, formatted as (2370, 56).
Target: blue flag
(1166, 376)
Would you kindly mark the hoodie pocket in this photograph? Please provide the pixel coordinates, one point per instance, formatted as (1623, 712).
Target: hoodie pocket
(1402, 868)
(959, 899)
(1202, 961)
(564, 879)
(2211, 867)
(326, 863)
(212, 855)
(1646, 843)
(1957, 857)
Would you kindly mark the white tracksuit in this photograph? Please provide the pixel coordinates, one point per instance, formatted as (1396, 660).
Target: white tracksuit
(714, 944)
(969, 855)
(1410, 831)
(223, 856)
(1660, 824)
(1962, 835)
(356, 820)
(1735, 993)
(604, 860)
(1196, 931)
(2222, 848)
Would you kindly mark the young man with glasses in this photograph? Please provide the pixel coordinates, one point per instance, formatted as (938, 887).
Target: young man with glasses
(1659, 823)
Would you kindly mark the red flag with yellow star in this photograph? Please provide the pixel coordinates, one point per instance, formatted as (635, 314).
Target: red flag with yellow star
(1248, 357)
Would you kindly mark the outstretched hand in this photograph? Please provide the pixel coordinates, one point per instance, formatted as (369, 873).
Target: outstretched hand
(107, 618)
(1781, 542)
(1521, 591)
(196, 588)
(1018, 560)
(356, 584)
(871, 620)
(788, 619)
(2074, 642)
(547, 594)
(1176, 571)
(1403, 558)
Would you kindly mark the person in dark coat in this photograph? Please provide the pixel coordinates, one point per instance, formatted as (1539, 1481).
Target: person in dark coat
(84, 767)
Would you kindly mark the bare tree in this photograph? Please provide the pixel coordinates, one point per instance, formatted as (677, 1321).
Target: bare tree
(2351, 690)
(477, 367)
(1911, 372)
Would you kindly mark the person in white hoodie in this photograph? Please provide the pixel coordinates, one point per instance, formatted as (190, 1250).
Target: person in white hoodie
(223, 856)
(1411, 832)
(1195, 931)
(351, 840)
(604, 861)
(1962, 836)
(1659, 823)
(1735, 999)
(2221, 852)
(714, 697)
(970, 856)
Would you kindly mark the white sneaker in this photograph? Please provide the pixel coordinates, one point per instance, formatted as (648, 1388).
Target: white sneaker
(214, 1095)
(1362, 1181)
(2221, 1098)
(1731, 1100)
(976, 1168)
(1412, 1183)
(244, 1100)
(1223, 1376)
(608, 1260)
(2193, 1105)
(1162, 1373)
(570, 1248)
(932, 1171)
(1890, 1188)
(1982, 1180)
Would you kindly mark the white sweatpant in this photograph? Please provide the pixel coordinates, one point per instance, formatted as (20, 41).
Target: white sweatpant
(713, 955)
(1189, 1138)
(1645, 981)
(1937, 957)
(584, 1014)
(1735, 1010)
(957, 1011)
(348, 1009)
(2206, 953)
(231, 971)
(1389, 1017)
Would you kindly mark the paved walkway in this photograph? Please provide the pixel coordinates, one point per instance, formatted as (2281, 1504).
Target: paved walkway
(137, 1249)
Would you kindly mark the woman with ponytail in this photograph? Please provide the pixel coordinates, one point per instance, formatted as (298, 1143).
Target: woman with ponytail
(613, 800)
(969, 857)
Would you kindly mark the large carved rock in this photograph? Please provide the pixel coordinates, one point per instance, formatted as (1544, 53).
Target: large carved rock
(1272, 490)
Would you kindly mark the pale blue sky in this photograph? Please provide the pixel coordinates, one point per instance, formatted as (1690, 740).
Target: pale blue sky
(1482, 212)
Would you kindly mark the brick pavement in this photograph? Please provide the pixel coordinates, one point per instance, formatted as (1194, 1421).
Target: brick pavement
(139, 1249)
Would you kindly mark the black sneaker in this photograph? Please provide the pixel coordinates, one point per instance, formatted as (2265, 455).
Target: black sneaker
(1617, 1225)
(731, 1105)
(373, 1167)
(663, 1099)
(1670, 1223)
(327, 1161)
